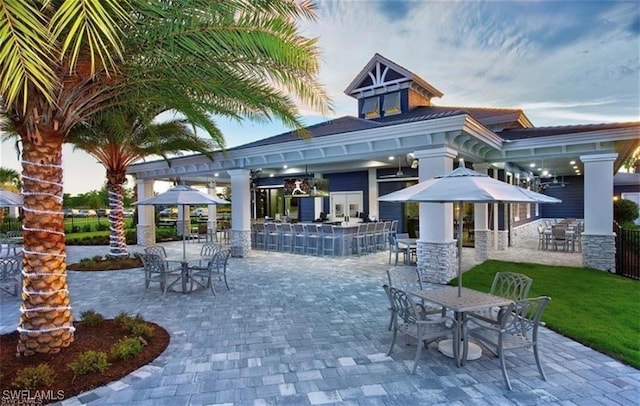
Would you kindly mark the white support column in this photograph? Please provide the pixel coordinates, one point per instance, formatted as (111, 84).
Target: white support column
(436, 248)
(482, 234)
(212, 213)
(374, 207)
(146, 229)
(598, 239)
(317, 201)
(240, 212)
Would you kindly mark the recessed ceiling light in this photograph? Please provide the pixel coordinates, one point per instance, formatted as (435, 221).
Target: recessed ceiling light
(572, 163)
(285, 167)
(391, 158)
(575, 166)
(539, 169)
(532, 165)
(216, 174)
(271, 175)
(545, 173)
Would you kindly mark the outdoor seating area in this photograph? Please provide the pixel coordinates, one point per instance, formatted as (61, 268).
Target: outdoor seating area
(288, 325)
(560, 235)
(323, 239)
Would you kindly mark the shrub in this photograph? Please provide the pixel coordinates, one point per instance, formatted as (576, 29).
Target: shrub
(135, 325)
(86, 228)
(89, 361)
(91, 318)
(625, 210)
(102, 226)
(126, 348)
(32, 378)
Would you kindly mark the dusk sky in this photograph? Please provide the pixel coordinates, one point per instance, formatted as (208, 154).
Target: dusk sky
(563, 62)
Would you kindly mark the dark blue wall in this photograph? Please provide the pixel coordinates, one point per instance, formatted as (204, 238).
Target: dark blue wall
(572, 196)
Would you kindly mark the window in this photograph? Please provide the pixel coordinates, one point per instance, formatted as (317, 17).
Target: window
(370, 108)
(391, 104)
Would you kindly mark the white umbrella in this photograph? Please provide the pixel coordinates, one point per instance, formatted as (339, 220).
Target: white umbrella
(181, 195)
(464, 185)
(10, 199)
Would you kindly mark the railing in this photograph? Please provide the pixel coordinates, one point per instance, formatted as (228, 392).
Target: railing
(627, 252)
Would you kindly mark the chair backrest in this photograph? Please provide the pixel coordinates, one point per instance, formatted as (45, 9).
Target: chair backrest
(511, 285)
(157, 250)
(311, 229)
(327, 229)
(559, 232)
(209, 250)
(402, 305)
(220, 259)
(153, 263)
(405, 278)
(286, 228)
(270, 227)
(523, 316)
(394, 226)
(298, 228)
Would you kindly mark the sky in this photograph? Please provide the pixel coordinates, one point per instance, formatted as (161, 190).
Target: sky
(563, 62)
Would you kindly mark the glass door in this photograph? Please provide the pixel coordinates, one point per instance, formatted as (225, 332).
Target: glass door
(345, 204)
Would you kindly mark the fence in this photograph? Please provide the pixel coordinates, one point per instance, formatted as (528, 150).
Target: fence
(627, 252)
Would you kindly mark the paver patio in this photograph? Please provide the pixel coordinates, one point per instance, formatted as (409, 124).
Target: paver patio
(299, 330)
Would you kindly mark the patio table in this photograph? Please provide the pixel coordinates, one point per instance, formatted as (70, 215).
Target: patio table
(185, 269)
(469, 300)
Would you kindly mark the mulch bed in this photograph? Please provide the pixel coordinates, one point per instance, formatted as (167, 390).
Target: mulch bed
(99, 338)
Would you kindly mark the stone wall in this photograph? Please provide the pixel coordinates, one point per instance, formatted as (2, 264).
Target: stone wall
(599, 252)
(438, 262)
(483, 243)
(146, 235)
(240, 243)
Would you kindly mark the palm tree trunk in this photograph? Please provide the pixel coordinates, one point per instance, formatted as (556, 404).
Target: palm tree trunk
(46, 323)
(117, 238)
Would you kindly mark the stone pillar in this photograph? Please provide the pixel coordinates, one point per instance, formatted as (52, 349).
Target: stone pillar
(240, 212)
(437, 251)
(598, 238)
(212, 213)
(146, 229)
(482, 234)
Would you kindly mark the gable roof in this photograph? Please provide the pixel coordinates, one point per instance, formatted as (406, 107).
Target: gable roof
(339, 125)
(401, 75)
(535, 132)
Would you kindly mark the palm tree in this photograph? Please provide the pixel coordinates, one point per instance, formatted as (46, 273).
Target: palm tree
(117, 138)
(62, 61)
(10, 179)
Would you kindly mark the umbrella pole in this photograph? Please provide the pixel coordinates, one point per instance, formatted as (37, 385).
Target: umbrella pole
(184, 236)
(459, 249)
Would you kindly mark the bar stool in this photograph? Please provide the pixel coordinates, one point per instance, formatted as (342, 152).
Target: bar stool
(314, 244)
(286, 237)
(359, 241)
(371, 237)
(299, 239)
(260, 236)
(272, 236)
(329, 239)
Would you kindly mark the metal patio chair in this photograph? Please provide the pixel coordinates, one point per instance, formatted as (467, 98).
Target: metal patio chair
(156, 271)
(510, 285)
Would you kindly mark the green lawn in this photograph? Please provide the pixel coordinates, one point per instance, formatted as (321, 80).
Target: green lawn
(596, 308)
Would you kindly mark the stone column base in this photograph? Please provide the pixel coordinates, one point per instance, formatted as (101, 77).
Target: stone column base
(146, 235)
(503, 240)
(599, 252)
(483, 242)
(240, 243)
(437, 261)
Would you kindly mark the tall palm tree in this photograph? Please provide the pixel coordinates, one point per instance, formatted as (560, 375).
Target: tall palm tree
(62, 61)
(117, 138)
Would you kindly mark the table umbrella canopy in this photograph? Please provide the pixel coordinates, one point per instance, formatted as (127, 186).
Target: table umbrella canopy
(181, 195)
(464, 185)
(10, 199)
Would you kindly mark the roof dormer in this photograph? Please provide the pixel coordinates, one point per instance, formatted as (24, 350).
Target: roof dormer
(384, 88)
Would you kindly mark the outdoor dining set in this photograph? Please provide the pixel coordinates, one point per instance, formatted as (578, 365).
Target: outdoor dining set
(190, 273)
(504, 319)
(11, 262)
(560, 235)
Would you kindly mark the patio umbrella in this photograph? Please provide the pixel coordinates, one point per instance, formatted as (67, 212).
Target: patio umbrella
(181, 195)
(464, 185)
(10, 199)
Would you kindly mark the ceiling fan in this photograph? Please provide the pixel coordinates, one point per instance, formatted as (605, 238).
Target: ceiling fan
(553, 183)
(411, 161)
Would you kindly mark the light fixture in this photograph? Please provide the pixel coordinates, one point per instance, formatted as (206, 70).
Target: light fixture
(271, 175)
(285, 166)
(532, 165)
(391, 158)
(572, 162)
(216, 174)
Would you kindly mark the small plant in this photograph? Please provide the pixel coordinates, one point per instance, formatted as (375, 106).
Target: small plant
(102, 227)
(32, 378)
(126, 348)
(135, 325)
(91, 318)
(86, 228)
(87, 362)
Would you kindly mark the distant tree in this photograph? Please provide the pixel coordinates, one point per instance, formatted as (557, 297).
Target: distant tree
(10, 179)
(119, 137)
(625, 211)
